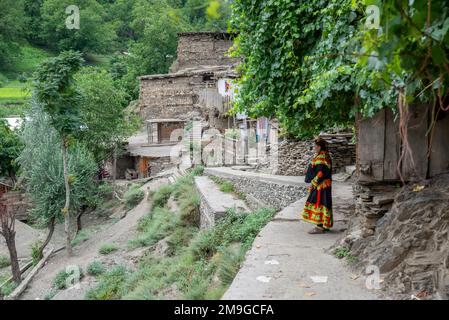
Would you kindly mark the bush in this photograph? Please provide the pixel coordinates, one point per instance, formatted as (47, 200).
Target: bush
(8, 288)
(105, 190)
(36, 254)
(224, 185)
(133, 196)
(189, 206)
(81, 236)
(155, 226)
(95, 268)
(107, 248)
(4, 261)
(341, 252)
(60, 280)
(198, 170)
(180, 239)
(111, 286)
(229, 265)
(160, 196)
(50, 295)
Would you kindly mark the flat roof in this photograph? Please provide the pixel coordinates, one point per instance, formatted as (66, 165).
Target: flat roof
(224, 33)
(165, 120)
(153, 151)
(221, 70)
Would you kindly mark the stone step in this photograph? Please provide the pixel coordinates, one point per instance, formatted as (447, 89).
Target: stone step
(215, 203)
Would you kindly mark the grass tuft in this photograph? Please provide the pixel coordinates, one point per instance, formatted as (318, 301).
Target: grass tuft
(107, 248)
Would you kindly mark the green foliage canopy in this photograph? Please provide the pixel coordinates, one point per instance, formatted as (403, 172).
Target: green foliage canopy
(102, 112)
(55, 90)
(10, 147)
(314, 64)
(42, 169)
(95, 34)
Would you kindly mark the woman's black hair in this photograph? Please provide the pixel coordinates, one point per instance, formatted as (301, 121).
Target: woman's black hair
(322, 143)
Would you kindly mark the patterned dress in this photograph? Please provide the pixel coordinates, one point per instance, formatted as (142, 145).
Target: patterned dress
(318, 207)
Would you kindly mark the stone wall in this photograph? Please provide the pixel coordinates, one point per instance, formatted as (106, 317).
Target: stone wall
(372, 202)
(214, 203)
(168, 97)
(294, 155)
(203, 49)
(159, 164)
(264, 194)
(410, 245)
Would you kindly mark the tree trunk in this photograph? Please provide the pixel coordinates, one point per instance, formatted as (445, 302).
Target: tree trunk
(51, 229)
(114, 169)
(10, 238)
(79, 225)
(66, 209)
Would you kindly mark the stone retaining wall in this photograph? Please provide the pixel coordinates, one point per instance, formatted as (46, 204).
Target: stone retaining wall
(215, 203)
(262, 193)
(295, 155)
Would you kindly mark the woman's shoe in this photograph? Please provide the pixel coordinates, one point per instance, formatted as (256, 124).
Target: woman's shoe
(316, 230)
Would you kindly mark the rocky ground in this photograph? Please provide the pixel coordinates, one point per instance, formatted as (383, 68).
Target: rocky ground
(410, 246)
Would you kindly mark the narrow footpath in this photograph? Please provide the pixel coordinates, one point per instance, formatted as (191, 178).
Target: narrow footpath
(286, 262)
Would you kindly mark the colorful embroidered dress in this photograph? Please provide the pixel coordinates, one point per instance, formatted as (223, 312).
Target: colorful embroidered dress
(318, 207)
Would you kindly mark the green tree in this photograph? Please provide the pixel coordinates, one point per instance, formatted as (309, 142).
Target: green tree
(33, 18)
(102, 113)
(93, 35)
(10, 148)
(156, 25)
(11, 27)
(43, 172)
(55, 89)
(315, 64)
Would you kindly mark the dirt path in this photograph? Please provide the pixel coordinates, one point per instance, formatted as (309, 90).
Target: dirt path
(118, 233)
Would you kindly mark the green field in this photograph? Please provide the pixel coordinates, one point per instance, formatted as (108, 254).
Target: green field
(13, 99)
(15, 82)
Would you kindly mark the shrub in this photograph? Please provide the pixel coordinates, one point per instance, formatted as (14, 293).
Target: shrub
(111, 285)
(198, 170)
(155, 226)
(81, 236)
(8, 288)
(341, 252)
(161, 196)
(4, 261)
(189, 206)
(36, 254)
(60, 280)
(107, 248)
(180, 239)
(105, 190)
(95, 268)
(50, 294)
(133, 196)
(229, 265)
(224, 185)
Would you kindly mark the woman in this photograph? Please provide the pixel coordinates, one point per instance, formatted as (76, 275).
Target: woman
(318, 207)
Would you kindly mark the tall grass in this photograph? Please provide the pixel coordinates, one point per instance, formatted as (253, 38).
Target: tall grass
(198, 265)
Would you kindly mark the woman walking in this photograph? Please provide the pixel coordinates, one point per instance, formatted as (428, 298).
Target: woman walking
(318, 207)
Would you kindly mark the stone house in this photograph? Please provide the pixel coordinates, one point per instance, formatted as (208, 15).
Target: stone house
(191, 91)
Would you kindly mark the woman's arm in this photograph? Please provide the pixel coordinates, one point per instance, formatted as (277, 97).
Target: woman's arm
(319, 177)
